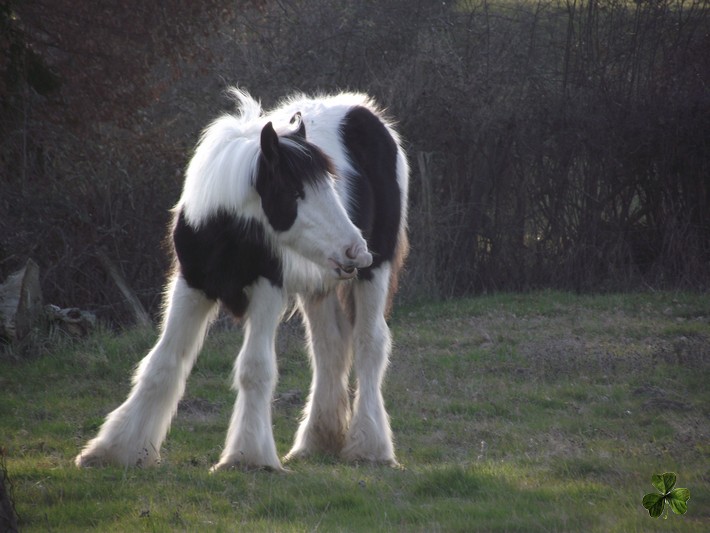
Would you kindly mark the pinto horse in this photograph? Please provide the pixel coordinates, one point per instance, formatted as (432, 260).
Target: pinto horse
(304, 205)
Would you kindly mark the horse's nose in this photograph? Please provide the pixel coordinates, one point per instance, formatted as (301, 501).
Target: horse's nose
(358, 255)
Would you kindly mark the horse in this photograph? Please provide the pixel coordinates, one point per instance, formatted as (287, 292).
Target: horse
(304, 208)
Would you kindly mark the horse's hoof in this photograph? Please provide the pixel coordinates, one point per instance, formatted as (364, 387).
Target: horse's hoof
(101, 456)
(88, 460)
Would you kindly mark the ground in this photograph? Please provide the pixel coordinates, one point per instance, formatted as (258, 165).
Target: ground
(540, 412)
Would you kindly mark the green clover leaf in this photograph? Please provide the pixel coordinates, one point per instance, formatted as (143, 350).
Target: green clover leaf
(654, 503)
(664, 482)
(677, 499)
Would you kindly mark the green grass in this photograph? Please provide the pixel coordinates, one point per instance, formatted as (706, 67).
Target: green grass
(515, 412)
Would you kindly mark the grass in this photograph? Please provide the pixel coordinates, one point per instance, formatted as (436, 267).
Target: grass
(536, 412)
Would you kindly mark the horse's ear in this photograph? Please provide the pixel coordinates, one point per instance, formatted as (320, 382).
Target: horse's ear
(270, 144)
(298, 119)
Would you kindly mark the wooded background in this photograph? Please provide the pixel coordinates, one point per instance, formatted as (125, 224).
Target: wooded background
(557, 143)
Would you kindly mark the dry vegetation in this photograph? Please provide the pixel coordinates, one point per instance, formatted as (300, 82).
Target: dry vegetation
(553, 143)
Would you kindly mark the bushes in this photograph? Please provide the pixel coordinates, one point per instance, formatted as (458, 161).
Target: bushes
(553, 144)
(575, 159)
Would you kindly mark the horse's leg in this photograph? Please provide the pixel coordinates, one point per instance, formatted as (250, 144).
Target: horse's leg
(133, 433)
(250, 439)
(327, 412)
(369, 437)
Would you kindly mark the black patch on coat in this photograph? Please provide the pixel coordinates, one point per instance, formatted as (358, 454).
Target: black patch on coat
(376, 204)
(228, 253)
(224, 256)
(284, 166)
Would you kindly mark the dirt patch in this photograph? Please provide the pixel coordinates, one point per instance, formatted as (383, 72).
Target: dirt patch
(198, 410)
(690, 351)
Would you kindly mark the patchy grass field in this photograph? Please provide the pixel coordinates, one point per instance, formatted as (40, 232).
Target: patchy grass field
(542, 412)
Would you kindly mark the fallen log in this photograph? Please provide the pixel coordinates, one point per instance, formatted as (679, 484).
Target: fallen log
(74, 321)
(21, 309)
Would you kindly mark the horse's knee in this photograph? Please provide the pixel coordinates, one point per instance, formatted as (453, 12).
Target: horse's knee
(255, 373)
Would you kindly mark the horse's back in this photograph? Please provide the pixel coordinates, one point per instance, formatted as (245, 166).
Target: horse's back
(366, 152)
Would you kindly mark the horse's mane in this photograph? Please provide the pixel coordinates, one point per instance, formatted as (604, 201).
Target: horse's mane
(219, 175)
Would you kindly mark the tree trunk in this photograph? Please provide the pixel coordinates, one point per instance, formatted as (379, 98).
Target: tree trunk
(20, 302)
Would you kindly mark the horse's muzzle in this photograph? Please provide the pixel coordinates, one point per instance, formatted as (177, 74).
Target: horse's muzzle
(356, 256)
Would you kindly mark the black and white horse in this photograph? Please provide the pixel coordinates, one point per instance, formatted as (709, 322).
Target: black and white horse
(305, 204)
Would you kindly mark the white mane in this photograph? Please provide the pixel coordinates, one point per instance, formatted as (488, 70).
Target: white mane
(219, 174)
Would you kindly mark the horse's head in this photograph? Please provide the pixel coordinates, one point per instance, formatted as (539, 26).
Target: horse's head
(295, 181)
